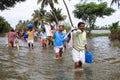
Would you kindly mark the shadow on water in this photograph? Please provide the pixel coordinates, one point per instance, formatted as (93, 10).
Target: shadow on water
(39, 63)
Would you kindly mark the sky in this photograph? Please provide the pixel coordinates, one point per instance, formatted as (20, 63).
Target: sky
(24, 10)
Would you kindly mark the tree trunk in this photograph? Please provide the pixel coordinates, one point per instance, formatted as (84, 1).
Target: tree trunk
(68, 13)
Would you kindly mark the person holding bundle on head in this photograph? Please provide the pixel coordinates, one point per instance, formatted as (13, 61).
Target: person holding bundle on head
(30, 34)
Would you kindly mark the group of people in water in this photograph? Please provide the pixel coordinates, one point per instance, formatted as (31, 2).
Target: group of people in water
(59, 40)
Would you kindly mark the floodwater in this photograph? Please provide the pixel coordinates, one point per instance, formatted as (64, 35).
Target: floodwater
(39, 63)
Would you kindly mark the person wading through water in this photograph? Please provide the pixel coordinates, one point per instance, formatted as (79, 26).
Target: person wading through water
(79, 46)
(59, 43)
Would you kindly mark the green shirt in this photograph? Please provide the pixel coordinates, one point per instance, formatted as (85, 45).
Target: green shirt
(79, 40)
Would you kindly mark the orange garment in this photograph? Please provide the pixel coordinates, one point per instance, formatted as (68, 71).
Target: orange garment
(44, 41)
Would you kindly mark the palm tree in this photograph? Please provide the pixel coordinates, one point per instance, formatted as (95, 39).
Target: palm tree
(38, 16)
(116, 1)
(51, 18)
(51, 4)
(68, 13)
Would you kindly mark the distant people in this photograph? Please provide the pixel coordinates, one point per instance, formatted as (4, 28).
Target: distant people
(43, 36)
(59, 41)
(11, 37)
(79, 45)
(30, 40)
(35, 35)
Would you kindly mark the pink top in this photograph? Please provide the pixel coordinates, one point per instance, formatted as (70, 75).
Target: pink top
(11, 36)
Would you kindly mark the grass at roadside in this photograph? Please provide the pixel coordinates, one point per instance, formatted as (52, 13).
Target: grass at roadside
(115, 43)
(97, 35)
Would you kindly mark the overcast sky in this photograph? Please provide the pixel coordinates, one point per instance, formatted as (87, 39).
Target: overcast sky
(24, 10)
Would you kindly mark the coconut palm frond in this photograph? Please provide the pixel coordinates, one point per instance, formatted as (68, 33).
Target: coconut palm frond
(56, 1)
(38, 2)
(115, 1)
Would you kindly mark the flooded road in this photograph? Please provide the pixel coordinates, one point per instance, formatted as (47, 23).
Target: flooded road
(39, 63)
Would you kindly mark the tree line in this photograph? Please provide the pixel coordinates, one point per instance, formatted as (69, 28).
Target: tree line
(4, 25)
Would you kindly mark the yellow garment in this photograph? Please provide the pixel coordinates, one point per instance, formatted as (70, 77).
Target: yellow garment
(79, 40)
(30, 35)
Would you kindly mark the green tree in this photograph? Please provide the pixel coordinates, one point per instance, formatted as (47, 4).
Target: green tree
(89, 12)
(22, 25)
(115, 31)
(51, 4)
(4, 25)
(5, 4)
(114, 28)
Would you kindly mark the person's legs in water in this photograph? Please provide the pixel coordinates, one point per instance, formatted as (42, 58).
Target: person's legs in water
(52, 43)
(12, 43)
(32, 43)
(32, 46)
(57, 55)
(80, 64)
(9, 44)
(76, 55)
(29, 45)
(61, 52)
(76, 65)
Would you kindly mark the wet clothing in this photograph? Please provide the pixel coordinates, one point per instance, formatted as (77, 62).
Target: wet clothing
(11, 36)
(57, 49)
(30, 41)
(30, 35)
(59, 38)
(79, 40)
(78, 56)
(43, 36)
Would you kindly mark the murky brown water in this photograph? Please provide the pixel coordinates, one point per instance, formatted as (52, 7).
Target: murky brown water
(38, 63)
